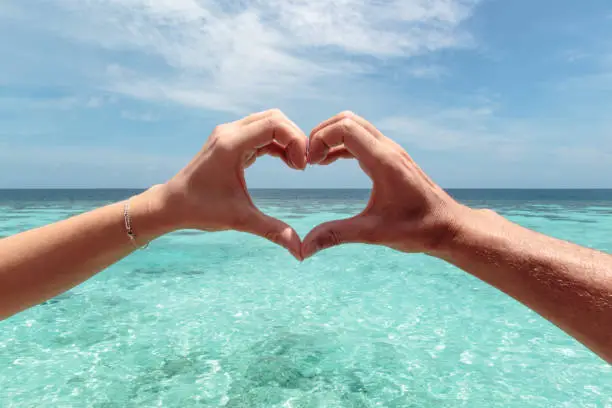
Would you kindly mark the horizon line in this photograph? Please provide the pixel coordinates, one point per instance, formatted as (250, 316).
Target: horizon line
(310, 188)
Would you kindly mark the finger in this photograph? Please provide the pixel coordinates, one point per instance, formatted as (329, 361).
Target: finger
(256, 116)
(335, 154)
(359, 229)
(276, 231)
(266, 114)
(275, 150)
(250, 160)
(350, 134)
(275, 129)
(348, 114)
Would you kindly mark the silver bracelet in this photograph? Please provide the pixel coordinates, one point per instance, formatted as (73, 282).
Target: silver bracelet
(128, 225)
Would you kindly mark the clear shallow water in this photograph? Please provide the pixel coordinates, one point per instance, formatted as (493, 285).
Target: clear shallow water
(230, 320)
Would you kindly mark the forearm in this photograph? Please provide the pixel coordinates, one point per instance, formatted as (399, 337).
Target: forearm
(569, 285)
(39, 264)
(208, 194)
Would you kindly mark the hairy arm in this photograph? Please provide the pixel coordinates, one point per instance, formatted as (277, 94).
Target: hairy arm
(567, 284)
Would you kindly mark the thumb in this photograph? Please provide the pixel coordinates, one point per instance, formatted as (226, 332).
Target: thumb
(276, 231)
(329, 234)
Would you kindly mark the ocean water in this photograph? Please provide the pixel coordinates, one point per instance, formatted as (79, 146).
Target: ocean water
(227, 319)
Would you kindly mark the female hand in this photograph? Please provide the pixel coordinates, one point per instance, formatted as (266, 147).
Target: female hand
(210, 193)
(407, 211)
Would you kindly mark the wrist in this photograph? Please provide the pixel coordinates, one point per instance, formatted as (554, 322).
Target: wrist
(151, 213)
(465, 226)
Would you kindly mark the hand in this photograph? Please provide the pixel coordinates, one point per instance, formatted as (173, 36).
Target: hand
(407, 211)
(210, 193)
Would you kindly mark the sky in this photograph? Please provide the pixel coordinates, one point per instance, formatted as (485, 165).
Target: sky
(481, 93)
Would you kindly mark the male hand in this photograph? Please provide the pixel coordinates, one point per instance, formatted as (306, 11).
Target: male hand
(407, 211)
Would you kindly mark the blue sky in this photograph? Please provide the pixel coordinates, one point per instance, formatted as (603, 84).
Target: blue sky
(489, 93)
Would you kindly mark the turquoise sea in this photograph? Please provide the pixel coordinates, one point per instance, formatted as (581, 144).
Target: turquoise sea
(227, 319)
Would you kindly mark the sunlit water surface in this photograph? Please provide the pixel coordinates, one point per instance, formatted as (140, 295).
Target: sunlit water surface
(230, 320)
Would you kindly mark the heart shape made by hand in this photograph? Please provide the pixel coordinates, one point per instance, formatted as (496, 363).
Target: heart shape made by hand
(406, 211)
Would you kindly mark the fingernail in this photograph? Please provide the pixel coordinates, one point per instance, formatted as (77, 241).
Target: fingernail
(290, 162)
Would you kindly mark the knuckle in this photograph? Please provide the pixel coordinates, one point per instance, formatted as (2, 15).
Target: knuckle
(213, 139)
(334, 237)
(275, 112)
(328, 239)
(223, 144)
(272, 121)
(347, 114)
(219, 138)
(397, 158)
(346, 126)
(219, 129)
(316, 145)
(276, 116)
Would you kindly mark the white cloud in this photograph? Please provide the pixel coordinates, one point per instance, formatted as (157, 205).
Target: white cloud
(423, 133)
(40, 103)
(392, 27)
(228, 55)
(62, 103)
(93, 102)
(481, 132)
(99, 101)
(575, 55)
(595, 74)
(55, 166)
(427, 71)
(465, 129)
(88, 157)
(141, 117)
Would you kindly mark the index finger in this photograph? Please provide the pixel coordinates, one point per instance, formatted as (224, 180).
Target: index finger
(275, 128)
(356, 139)
(262, 115)
(350, 115)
